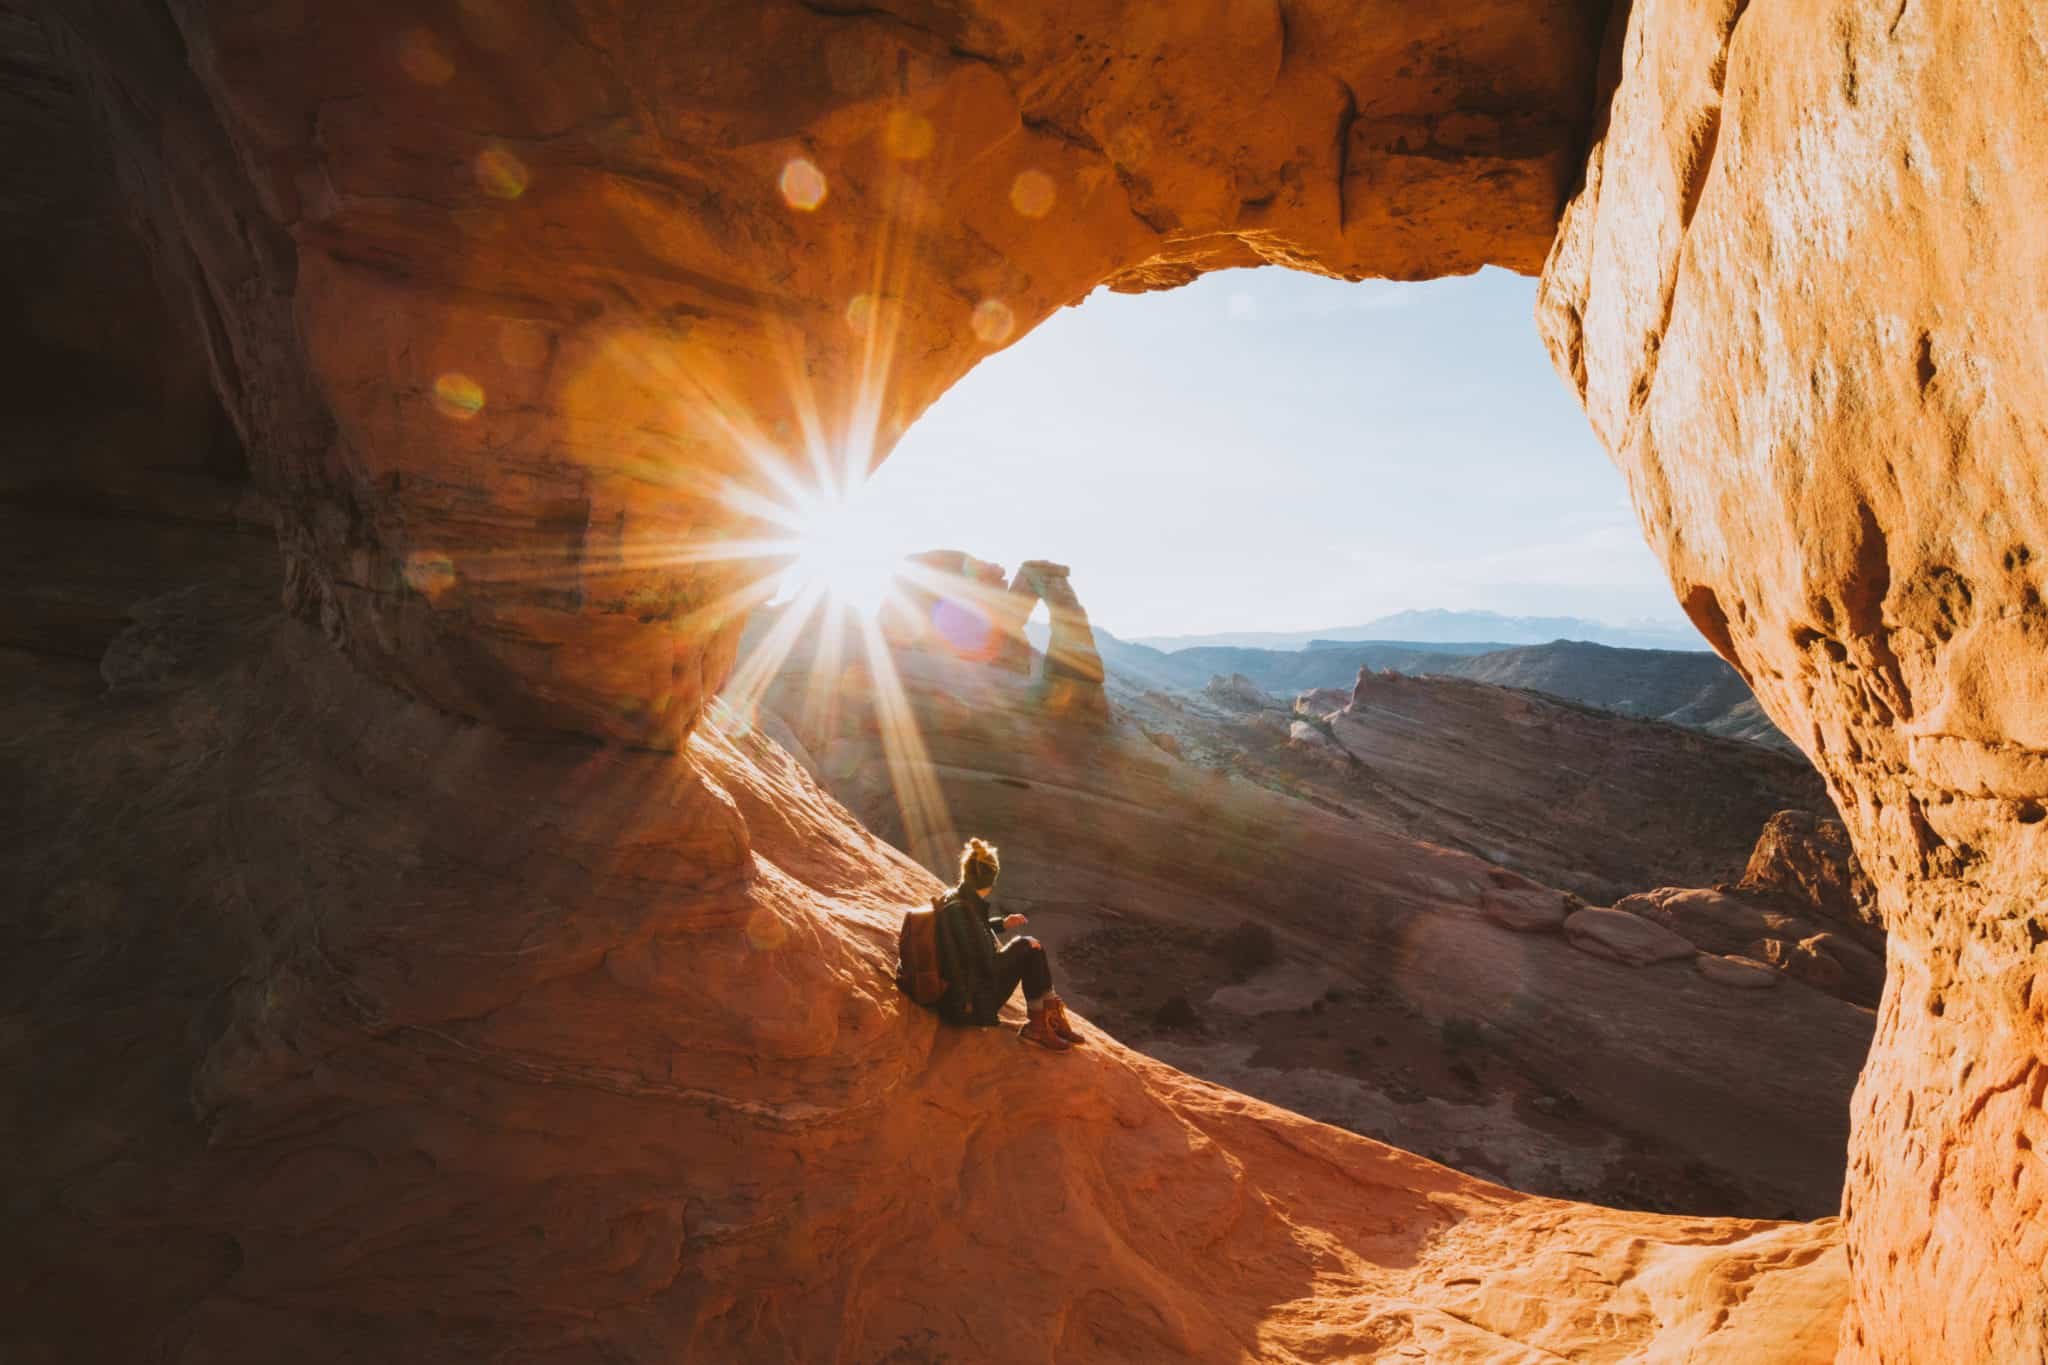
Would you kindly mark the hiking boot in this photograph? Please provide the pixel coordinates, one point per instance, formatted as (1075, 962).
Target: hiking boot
(1056, 1019)
(1038, 1030)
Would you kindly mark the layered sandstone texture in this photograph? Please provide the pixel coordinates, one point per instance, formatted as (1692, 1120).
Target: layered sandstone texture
(340, 1029)
(528, 312)
(1799, 297)
(1595, 803)
(1415, 992)
(524, 313)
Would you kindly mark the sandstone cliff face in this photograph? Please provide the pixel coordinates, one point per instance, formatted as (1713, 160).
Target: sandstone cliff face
(1797, 298)
(512, 300)
(503, 299)
(342, 1030)
(1597, 804)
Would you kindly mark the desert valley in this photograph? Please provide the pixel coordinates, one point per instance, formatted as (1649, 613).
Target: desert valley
(1532, 939)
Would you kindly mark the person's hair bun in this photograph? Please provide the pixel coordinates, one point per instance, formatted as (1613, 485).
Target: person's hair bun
(979, 865)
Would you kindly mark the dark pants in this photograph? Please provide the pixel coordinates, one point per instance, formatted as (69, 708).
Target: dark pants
(1023, 962)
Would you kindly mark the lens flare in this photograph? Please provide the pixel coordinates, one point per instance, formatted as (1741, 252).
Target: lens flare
(458, 396)
(765, 930)
(908, 136)
(842, 550)
(500, 174)
(860, 314)
(802, 184)
(993, 322)
(429, 574)
(965, 627)
(1032, 193)
(1130, 145)
(421, 58)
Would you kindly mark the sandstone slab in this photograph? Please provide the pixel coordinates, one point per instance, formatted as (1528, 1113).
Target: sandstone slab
(1741, 973)
(1712, 921)
(1623, 937)
(1536, 910)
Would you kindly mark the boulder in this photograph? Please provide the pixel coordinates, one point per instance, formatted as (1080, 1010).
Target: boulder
(1829, 963)
(1321, 702)
(1308, 736)
(1314, 742)
(1712, 921)
(1537, 910)
(1741, 973)
(1807, 863)
(1625, 938)
(1238, 693)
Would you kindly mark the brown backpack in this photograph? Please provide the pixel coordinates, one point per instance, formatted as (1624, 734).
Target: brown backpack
(917, 951)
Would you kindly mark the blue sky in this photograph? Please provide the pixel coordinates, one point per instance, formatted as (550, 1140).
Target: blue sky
(1267, 450)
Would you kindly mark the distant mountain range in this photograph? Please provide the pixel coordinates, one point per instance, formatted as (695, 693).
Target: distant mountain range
(1280, 671)
(1685, 687)
(1440, 627)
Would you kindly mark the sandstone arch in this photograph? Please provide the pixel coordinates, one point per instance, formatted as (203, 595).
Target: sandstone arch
(500, 295)
(1071, 672)
(575, 228)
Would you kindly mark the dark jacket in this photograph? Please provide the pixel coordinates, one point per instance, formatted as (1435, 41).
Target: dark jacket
(966, 930)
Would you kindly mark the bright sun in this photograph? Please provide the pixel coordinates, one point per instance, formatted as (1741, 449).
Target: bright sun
(843, 551)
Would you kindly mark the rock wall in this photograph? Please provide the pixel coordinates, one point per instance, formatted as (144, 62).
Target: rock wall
(518, 308)
(1799, 297)
(99, 364)
(525, 308)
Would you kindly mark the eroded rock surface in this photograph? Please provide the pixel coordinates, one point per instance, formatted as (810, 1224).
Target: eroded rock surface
(503, 299)
(308, 981)
(525, 308)
(1624, 938)
(1794, 296)
(1595, 803)
(1806, 863)
(1453, 1005)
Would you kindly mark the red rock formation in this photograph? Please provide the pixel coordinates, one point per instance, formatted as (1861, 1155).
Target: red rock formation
(1792, 298)
(951, 601)
(1588, 801)
(1071, 682)
(1111, 849)
(345, 1030)
(505, 298)
(1808, 863)
(1796, 909)
(511, 299)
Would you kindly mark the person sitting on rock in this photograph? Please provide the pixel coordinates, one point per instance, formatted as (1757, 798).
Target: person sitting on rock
(979, 976)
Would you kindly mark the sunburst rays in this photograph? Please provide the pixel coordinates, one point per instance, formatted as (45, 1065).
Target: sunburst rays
(760, 427)
(825, 544)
